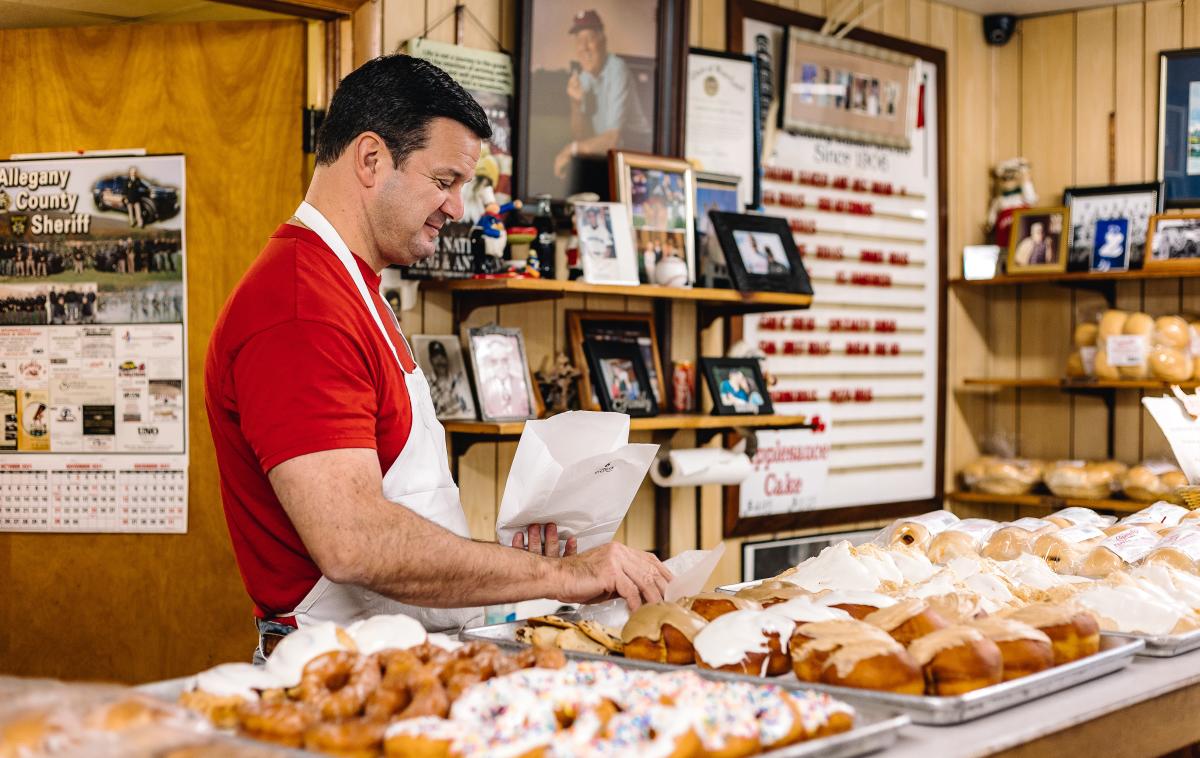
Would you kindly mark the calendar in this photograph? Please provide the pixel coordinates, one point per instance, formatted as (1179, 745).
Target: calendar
(93, 345)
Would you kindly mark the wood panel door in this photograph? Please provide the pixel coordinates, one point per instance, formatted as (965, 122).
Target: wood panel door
(228, 96)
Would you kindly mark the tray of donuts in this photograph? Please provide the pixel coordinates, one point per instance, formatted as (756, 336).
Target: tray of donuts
(383, 687)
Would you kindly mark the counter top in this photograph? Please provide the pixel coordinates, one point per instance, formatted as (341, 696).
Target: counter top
(1104, 714)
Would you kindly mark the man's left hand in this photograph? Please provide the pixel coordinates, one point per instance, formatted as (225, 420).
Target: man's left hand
(549, 545)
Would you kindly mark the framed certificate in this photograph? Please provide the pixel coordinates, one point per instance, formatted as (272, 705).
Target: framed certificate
(721, 123)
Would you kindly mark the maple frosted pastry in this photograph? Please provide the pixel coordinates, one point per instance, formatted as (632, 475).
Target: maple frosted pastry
(1180, 551)
(957, 660)
(1119, 552)
(1010, 540)
(805, 610)
(919, 530)
(662, 632)
(746, 642)
(772, 592)
(858, 604)
(1074, 632)
(1002, 476)
(1023, 649)
(854, 654)
(907, 620)
(1066, 549)
(967, 537)
(712, 605)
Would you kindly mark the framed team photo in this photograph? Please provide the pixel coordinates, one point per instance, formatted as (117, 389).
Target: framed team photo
(441, 359)
(1096, 213)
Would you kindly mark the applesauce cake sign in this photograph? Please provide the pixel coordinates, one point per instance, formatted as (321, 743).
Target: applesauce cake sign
(791, 467)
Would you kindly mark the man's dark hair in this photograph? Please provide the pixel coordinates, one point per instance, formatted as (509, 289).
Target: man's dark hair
(395, 96)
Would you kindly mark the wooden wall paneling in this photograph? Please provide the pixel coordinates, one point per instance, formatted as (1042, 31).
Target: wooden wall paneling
(1127, 418)
(811, 7)
(872, 15)
(918, 22)
(435, 10)
(1191, 23)
(895, 18)
(1164, 31)
(401, 22)
(489, 14)
(1128, 87)
(695, 21)
(478, 474)
(508, 25)
(132, 607)
(368, 31)
(712, 27)
(684, 500)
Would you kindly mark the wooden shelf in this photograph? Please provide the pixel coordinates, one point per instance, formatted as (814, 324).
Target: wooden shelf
(1078, 277)
(1047, 501)
(1075, 385)
(666, 422)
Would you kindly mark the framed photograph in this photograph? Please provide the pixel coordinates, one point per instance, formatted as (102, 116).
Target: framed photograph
(605, 244)
(848, 90)
(1174, 241)
(1179, 127)
(763, 559)
(440, 358)
(761, 253)
(660, 195)
(595, 76)
(714, 192)
(722, 128)
(501, 374)
(737, 386)
(587, 327)
(620, 378)
(1093, 209)
(1038, 241)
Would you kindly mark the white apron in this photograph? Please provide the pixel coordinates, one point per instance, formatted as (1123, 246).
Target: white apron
(419, 479)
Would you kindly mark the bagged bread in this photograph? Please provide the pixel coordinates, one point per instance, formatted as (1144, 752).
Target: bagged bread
(1102, 369)
(1180, 550)
(1001, 476)
(1170, 364)
(1119, 552)
(1010, 540)
(1161, 512)
(1082, 480)
(966, 537)
(1076, 516)
(919, 530)
(1129, 350)
(1112, 323)
(1086, 333)
(1150, 482)
(1065, 550)
(1172, 331)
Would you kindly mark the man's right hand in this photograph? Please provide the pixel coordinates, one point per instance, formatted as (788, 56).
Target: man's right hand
(609, 571)
(575, 88)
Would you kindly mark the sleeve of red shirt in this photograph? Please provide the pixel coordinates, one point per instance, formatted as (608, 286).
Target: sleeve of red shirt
(302, 387)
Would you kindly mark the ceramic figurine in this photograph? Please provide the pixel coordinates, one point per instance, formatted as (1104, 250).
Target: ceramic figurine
(1013, 191)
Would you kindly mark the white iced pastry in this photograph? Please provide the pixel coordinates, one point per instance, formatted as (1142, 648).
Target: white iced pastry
(444, 641)
(728, 638)
(804, 610)
(836, 567)
(1181, 585)
(287, 661)
(914, 565)
(242, 680)
(386, 632)
(1129, 608)
(855, 597)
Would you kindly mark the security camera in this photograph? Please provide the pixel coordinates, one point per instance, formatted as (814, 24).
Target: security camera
(998, 28)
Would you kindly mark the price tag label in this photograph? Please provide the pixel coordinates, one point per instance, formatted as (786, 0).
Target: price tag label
(1127, 350)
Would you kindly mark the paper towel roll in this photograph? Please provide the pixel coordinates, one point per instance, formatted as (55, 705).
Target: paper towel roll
(706, 465)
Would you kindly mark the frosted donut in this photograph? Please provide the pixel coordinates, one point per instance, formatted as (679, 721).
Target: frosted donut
(286, 663)
(1023, 649)
(746, 642)
(1074, 632)
(805, 610)
(858, 604)
(772, 592)
(712, 605)
(957, 660)
(662, 632)
(907, 620)
(812, 644)
(873, 665)
(386, 632)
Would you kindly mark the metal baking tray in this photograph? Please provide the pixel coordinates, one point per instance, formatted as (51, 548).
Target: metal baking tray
(874, 728)
(1115, 654)
(1163, 645)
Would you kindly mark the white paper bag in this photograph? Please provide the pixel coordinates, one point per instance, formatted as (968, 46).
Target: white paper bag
(576, 470)
(1181, 430)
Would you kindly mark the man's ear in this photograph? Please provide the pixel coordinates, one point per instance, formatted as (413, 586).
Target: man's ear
(369, 151)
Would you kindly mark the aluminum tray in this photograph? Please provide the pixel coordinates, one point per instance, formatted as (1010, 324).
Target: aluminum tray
(874, 729)
(1163, 645)
(1115, 654)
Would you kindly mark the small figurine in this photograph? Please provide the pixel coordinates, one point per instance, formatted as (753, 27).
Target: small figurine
(1013, 191)
(558, 386)
(489, 237)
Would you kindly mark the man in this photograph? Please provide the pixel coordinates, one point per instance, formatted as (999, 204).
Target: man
(334, 471)
(134, 190)
(594, 238)
(444, 386)
(603, 97)
(1037, 248)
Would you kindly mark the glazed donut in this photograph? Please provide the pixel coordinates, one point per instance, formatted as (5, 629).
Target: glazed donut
(957, 660)
(395, 666)
(711, 605)
(1014, 538)
(283, 723)
(337, 683)
(812, 644)
(1023, 649)
(662, 632)
(350, 738)
(772, 592)
(874, 665)
(424, 737)
(967, 537)
(907, 620)
(1074, 633)
(746, 642)
(386, 701)
(429, 697)
(919, 530)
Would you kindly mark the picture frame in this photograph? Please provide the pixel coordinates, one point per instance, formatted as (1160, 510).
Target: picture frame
(619, 375)
(848, 90)
(737, 386)
(1178, 120)
(441, 359)
(760, 253)
(714, 192)
(502, 377)
(1174, 241)
(606, 244)
(722, 97)
(1135, 203)
(1038, 234)
(648, 38)
(584, 327)
(660, 195)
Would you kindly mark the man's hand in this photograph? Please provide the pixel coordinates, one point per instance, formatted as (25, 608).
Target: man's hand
(609, 571)
(539, 546)
(575, 88)
(561, 161)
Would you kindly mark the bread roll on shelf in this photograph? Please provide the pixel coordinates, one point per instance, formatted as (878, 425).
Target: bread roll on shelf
(1102, 368)
(1081, 480)
(1170, 364)
(1012, 539)
(1076, 367)
(1180, 550)
(919, 530)
(967, 537)
(1002, 476)
(1112, 323)
(957, 660)
(1119, 552)
(1023, 649)
(1086, 334)
(1066, 549)
(1172, 331)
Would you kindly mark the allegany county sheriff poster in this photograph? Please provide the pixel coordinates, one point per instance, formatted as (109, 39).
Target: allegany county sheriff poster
(93, 345)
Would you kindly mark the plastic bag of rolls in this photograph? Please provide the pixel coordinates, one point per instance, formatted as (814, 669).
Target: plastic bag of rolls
(1085, 480)
(1002, 476)
(1152, 481)
(1135, 346)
